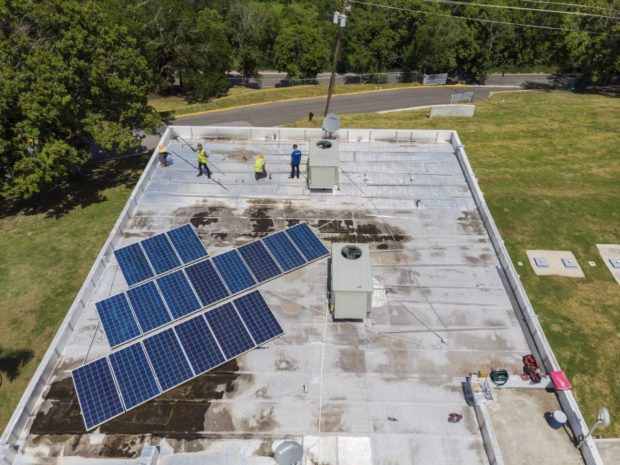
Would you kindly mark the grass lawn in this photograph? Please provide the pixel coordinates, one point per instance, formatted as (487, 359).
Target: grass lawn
(47, 247)
(176, 106)
(549, 165)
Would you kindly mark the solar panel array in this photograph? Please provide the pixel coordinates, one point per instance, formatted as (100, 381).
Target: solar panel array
(158, 254)
(112, 385)
(156, 303)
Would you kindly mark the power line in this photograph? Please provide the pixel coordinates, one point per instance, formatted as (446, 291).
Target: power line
(593, 7)
(481, 20)
(521, 8)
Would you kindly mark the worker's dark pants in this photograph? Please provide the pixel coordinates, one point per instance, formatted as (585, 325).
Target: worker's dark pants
(163, 158)
(261, 175)
(200, 166)
(295, 169)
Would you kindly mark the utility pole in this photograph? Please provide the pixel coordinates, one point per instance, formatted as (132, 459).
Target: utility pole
(341, 20)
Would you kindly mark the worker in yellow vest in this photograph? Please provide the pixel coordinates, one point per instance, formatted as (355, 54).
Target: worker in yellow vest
(259, 167)
(203, 159)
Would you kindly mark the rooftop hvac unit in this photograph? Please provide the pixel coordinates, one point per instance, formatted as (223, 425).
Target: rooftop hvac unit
(323, 164)
(351, 281)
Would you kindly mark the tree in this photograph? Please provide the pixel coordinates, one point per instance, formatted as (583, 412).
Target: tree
(68, 79)
(301, 51)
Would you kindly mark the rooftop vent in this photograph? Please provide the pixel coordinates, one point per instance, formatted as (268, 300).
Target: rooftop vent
(351, 286)
(351, 252)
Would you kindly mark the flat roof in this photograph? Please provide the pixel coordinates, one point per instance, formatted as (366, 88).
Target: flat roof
(378, 391)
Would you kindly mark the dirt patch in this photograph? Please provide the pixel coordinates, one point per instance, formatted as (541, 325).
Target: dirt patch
(205, 217)
(242, 155)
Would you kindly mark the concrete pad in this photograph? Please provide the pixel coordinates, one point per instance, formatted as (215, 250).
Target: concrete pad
(610, 253)
(519, 422)
(555, 262)
(464, 111)
(609, 450)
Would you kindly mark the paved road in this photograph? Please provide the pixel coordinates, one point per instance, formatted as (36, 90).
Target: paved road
(277, 114)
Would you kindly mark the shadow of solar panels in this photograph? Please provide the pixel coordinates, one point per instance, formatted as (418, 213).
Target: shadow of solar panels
(160, 253)
(148, 306)
(117, 319)
(260, 262)
(283, 250)
(133, 264)
(187, 243)
(141, 371)
(307, 241)
(97, 395)
(235, 273)
(178, 294)
(206, 282)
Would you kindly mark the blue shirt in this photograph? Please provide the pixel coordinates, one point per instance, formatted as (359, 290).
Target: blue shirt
(296, 157)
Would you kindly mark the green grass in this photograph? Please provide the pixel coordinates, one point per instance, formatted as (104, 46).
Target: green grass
(549, 166)
(47, 247)
(177, 106)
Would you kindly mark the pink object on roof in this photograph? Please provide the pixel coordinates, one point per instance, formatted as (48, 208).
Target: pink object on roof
(560, 381)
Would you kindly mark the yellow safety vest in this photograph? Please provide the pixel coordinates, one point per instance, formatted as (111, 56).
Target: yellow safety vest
(202, 156)
(259, 165)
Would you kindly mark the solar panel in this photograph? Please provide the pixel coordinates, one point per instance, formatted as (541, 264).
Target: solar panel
(133, 263)
(187, 243)
(307, 241)
(178, 294)
(199, 344)
(229, 331)
(260, 262)
(169, 362)
(258, 317)
(117, 319)
(233, 270)
(206, 282)
(99, 400)
(160, 253)
(148, 306)
(285, 253)
(133, 373)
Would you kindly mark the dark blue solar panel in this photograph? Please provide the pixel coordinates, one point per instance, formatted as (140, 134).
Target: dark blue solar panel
(187, 243)
(178, 294)
(117, 319)
(135, 378)
(160, 253)
(229, 330)
(258, 317)
(199, 344)
(168, 360)
(206, 282)
(148, 306)
(305, 239)
(133, 263)
(97, 393)
(260, 262)
(234, 271)
(284, 251)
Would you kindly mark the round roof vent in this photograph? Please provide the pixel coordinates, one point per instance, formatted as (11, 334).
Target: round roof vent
(324, 144)
(288, 453)
(351, 252)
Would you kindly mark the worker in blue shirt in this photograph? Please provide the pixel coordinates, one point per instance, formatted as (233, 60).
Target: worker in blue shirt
(295, 161)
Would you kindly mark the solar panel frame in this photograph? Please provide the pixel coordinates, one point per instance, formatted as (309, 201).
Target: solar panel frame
(199, 344)
(134, 264)
(160, 253)
(229, 330)
(187, 244)
(118, 320)
(207, 283)
(149, 306)
(307, 242)
(101, 383)
(178, 294)
(170, 363)
(258, 317)
(135, 378)
(259, 261)
(233, 270)
(284, 251)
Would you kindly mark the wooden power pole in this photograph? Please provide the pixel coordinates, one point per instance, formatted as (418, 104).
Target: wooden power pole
(339, 19)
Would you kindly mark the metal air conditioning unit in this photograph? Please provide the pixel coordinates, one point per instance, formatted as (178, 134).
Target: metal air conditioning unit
(323, 162)
(351, 281)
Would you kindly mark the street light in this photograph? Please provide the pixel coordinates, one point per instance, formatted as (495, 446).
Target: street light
(603, 419)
